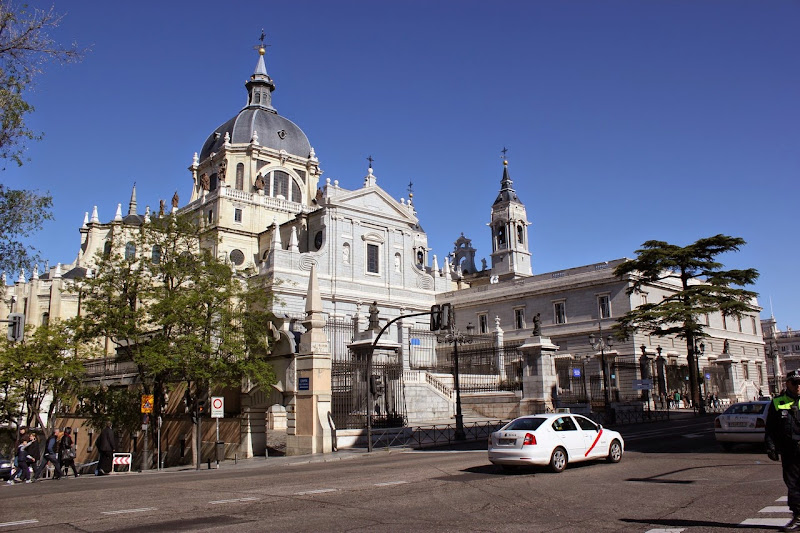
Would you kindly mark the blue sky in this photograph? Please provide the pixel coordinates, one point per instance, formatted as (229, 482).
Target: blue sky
(624, 120)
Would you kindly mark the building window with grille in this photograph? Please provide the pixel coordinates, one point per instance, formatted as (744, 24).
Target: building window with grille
(483, 323)
(519, 318)
(604, 306)
(373, 259)
(560, 312)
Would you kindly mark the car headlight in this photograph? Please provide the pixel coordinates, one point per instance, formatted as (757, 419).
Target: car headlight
(5, 464)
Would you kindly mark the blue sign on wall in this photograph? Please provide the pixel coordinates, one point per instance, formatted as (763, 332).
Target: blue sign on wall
(576, 372)
(303, 383)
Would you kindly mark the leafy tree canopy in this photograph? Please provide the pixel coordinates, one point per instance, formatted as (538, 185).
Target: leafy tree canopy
(21, 213)
(25, 47)
(178, 312)
(703, 286)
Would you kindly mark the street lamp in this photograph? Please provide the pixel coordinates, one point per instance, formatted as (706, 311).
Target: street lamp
(645, 369)
(601, 344)
(699, 351)
(455, 336)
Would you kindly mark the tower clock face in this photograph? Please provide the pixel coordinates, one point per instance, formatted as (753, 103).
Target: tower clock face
(318, 240)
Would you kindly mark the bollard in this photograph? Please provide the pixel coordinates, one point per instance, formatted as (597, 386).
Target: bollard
(235, 458)
(209, 464)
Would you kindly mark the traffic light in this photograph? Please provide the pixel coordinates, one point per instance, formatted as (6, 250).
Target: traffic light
(16, 327)
(441, 317)
(201, 407)
(436, 317)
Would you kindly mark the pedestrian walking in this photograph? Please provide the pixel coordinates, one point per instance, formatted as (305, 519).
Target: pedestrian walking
(782, 440)
(50, 456)
(67, 452)
(31, 457)
(107, 444)
(20, 459)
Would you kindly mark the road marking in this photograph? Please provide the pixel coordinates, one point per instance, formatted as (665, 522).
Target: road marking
(773, 522)
(18, 523)
(235, 500)
(388, 483)
(666, 530)
(776, 509)
(318, 491)
(123, 511)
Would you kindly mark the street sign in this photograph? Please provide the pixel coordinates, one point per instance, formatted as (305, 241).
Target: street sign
(642, 384)
(303, 383)
(708, 376)
(217, 407)
(147, 403)
(576, 372)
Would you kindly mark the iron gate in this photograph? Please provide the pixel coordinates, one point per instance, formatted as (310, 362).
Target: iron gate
(350, 379)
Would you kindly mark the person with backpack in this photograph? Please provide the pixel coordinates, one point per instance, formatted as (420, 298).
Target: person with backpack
(50, 456)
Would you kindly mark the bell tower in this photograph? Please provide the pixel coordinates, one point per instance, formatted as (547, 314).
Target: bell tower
(510, 255)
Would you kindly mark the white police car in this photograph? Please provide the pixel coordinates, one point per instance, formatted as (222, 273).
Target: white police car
(741, 422)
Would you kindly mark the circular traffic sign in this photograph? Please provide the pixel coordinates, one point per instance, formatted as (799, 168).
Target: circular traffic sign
(217, 403)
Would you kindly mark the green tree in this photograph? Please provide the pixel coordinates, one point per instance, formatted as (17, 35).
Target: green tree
(21, 213)
(178, 312)
(25, 47)
(120, 405)
(704, 288)
(42, 367)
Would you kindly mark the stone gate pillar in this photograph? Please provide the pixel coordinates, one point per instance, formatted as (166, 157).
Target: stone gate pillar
(312, 431)
(539, 379)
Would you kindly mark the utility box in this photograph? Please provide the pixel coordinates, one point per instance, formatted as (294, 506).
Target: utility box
(220, 450)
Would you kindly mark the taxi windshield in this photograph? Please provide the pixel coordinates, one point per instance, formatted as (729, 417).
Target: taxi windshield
(746, 409)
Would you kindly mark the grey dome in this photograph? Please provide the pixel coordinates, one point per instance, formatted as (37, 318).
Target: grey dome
(274, 131)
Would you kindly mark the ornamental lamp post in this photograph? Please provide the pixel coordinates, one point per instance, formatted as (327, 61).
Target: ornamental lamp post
(699, 351)
(773, 353)
(601, 344)
(455, 336)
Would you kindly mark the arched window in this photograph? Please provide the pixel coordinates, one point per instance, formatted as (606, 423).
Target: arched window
(281, 180)
(45, 319)
(520, 234)
(107, 249)
(155, 255)
(130, 251)
(295, 192)
(240, 176)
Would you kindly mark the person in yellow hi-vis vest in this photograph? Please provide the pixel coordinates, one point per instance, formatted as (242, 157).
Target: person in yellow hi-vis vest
(782, 440)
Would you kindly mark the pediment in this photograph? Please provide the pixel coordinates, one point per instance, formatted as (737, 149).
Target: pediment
(375, 201)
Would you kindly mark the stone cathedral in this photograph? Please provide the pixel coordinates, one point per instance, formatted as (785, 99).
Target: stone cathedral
(256, 186)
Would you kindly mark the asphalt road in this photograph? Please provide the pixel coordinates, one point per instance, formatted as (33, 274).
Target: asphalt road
(673, 477)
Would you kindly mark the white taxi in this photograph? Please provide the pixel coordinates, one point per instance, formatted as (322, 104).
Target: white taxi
(554, 440)
(741, 422)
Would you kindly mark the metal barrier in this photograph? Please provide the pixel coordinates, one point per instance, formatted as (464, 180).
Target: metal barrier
(434, 435)
(121, 459)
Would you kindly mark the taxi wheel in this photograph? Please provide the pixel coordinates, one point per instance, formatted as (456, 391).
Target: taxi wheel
(558, 461)
(614, 452)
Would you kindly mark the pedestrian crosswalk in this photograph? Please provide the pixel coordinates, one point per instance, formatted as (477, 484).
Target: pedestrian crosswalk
(771, 516)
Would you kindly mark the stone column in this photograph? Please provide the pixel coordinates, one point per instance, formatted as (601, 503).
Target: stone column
(312, 431)
(539, 379)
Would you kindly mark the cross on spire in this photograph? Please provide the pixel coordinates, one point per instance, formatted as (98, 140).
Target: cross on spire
(410, 189)
(504, 150)
(370, 161)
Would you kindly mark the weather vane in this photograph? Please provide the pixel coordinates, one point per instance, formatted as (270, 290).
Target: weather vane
(262, 46)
